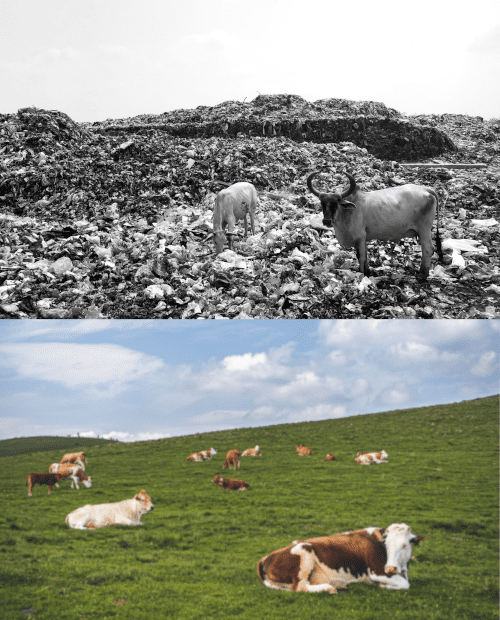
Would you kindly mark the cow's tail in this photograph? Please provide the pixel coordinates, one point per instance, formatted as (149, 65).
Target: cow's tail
(438, 237)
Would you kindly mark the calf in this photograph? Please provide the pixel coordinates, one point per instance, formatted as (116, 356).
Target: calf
(78, 458)
(329, 457)
(231, 484)
(232, 204)
(126, 512)
(48, 479)
(326, 563)
(303, 451)
(204, 455)
(252, 452)
(366, 458)
(385, 214)
(232, 460)
(74, 472)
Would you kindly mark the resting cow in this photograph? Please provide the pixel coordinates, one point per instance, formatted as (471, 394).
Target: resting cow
(74, 472)
(385, 214)
(230, 484)
(48, 479)
(204, 455)
(303, 451)
(326, 563)
(252, 452)
(366, 458)
(126, 512)
(329, 457)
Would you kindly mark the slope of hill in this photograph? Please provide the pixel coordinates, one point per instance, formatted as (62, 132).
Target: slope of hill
(29, 445)
(115, 218)
(197, 551)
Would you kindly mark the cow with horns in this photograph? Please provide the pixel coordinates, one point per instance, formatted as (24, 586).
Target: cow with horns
(385, 214)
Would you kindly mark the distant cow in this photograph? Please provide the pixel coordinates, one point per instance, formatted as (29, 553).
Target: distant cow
(252, 452)
(126, 512)
(231, 484)
(323, 564)
(75, 457)
(48, 479)
(233, 203)
(366, 458)
(204, 455)
(232, 460)
(75, 472)
(329, 457)
(303, 451)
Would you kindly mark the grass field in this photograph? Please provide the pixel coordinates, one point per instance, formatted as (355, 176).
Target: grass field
(197, 552)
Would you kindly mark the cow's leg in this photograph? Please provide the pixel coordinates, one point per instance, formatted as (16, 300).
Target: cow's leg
(425, 239)
(361, 253)
(230, 231)
(301, 583)
(30, 490)
(50, 489)
(395, 582)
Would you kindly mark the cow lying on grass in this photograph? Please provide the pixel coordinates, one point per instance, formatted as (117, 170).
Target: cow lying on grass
(48, 479)
(231, 484)
(204, 455)
(126, 512)
(252, 452)
(366, 458)
(329, 457)
(324, 564)
(74, 472)
(303, 450)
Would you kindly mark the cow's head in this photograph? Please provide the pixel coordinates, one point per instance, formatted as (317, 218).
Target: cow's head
(217, 479)
(331, 201)
(384, 455)
(220, 240)
(145, 501)
(398, 538)
(213, 452)
(87, 482)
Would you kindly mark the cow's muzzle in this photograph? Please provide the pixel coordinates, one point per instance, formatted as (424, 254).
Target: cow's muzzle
(327, 223)
(391, 570)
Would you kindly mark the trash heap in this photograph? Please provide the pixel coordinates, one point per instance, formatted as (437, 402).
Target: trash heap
(104, 220)
(384, 132)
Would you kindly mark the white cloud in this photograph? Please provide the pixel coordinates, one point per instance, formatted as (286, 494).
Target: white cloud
(104, 368)
(337, 357)
(221, 416)
(486, 365)
(413, 351)
(317, 412)
(244, 362)
(394, 397)
(487, 43)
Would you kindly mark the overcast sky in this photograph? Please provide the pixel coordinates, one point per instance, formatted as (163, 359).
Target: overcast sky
(136, 380)
(117, 58)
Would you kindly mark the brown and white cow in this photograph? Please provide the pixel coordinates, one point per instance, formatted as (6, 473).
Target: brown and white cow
(48, 479)
(230, 484)
(77, 458)
(326, 563)
(366, 458)
(75, 472)
(126, 512)
(303, 451)
(329, 457)
(232, 460)
(204, 455)
(252, 452)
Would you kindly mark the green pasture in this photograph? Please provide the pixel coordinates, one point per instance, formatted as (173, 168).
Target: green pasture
(197, 552)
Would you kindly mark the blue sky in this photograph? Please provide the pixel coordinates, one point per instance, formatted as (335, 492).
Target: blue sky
(136, 380)
(95, 60)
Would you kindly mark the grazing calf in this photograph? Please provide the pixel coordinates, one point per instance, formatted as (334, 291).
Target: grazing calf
(204, 455)
(126, 512)
(323, 564)
(74, 472)
(78, 458)
(231, 484)
(48, 479)
(232, 460)
(303, 451)
(329, 457)
(252, 452)
(366, 458)
(385, 214)
(231, 204)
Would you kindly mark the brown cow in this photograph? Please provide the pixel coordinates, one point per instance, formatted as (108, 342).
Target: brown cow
(303, 451)
(232, 460)
(231, 484)
(48, 479)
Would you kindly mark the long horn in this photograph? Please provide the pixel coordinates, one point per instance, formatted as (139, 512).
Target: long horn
(311, 187)
(352, 185)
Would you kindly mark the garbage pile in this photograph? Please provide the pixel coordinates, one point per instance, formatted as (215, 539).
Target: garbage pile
(97, 223)
(384, 132)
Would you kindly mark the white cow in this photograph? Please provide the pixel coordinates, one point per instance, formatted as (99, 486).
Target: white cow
(126, 512)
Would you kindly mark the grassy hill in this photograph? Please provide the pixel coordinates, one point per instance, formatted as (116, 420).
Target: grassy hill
(29, 445)
(197, 551)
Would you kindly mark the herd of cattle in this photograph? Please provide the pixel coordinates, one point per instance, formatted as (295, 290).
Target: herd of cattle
(356, 216)
(322, 564)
